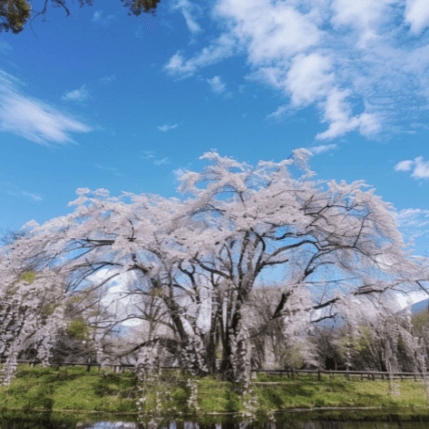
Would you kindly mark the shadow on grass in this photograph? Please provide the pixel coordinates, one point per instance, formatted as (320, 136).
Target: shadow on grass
(114, 384)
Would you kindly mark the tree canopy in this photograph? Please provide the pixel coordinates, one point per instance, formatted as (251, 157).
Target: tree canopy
(199, 257)
(15, 13)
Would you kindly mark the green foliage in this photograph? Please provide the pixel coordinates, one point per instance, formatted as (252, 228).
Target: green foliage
(27, 277)
(139, 6)
(420, 320)
(292, 357)
(49, 309)
(74, 300)
(366, 339)
(15, 13)
(77, 330)
(356, 345)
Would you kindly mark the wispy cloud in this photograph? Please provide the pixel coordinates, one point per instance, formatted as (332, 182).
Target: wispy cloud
(33, 119)
(5, 48)
(166, 127)
(421, 168)
(16, 191)
(80, 94)
(187, 8)
(107, 79)
(322, 148)
(413, 223)
(161, 161)
(150, 154)
(98, 18)
(217, 85)
(280, 113)
(179, 172)
(221, 49)
(328, 53)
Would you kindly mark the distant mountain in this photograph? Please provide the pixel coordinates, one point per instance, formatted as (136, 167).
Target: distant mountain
(417, 307)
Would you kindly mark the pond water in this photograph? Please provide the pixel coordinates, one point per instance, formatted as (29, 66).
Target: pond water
(313, 420)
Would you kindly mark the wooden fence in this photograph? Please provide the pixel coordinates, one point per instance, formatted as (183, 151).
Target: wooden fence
(291, 373)
(370, 375)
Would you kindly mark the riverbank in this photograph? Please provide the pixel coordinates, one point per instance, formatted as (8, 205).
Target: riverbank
(74, 389)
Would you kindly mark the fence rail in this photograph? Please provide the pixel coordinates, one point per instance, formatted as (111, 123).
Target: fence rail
(290, 373)
(370, 375)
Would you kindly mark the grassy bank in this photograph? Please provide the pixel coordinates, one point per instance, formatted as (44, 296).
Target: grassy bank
(74, 388)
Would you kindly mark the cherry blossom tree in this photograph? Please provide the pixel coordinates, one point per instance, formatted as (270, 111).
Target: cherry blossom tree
(31, 314)
(233, 223)
(269, 219)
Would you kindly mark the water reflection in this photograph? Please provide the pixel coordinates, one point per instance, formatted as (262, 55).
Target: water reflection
(289, 421)
(270, 425)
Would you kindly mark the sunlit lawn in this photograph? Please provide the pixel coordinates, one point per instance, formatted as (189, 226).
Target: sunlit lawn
(73, 388)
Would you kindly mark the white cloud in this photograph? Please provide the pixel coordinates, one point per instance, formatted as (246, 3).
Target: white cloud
(332, 54)
(186, 7)
(179, 172)
(216, 84)
(269, 31)
(416, 15)
(280, 112)
(322, 148)
(308, 78)
(409, 217)
(221, 49)
(31, 118)
(403, 166)
(77, 94)
(338, 113)
(97, 17)
(166, 127)
(421, 168)
(363, 17)
(405, 300)
(161, 161)
(115, 297)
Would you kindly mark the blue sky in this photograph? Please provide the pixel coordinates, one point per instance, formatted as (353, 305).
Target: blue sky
(101, 99)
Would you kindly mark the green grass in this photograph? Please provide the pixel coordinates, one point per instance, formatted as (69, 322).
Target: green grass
(73, 388)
